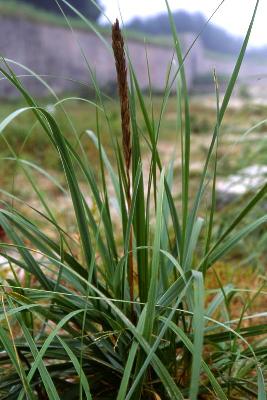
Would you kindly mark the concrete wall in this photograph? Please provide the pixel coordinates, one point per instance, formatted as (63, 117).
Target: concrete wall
(55, 51)
(251, 69)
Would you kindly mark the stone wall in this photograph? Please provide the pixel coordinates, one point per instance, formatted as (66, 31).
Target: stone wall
(55, 53)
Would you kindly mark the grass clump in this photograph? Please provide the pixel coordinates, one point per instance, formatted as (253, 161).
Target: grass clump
(127, 304)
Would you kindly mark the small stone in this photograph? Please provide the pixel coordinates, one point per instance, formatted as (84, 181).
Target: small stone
(249, 179)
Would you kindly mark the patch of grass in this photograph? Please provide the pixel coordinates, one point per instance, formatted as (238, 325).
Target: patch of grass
(114, 296)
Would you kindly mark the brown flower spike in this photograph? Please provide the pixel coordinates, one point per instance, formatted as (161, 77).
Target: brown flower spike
(121, 67)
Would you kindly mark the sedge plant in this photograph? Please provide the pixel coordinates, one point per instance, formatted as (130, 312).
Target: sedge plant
(120, 309)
